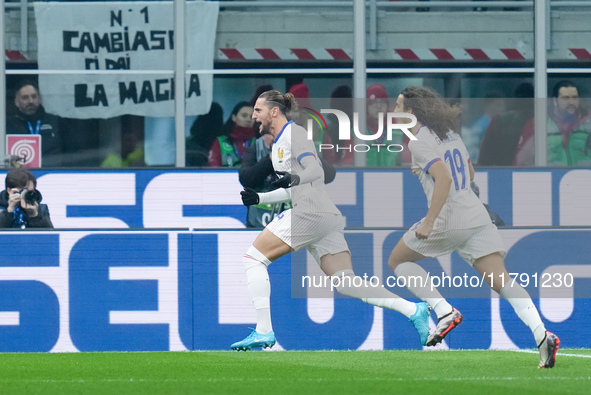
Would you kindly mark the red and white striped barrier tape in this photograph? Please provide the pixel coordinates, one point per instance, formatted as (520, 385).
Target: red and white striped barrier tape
(395, 54)
(284, 54)
(14, 55)
(346, 54)
(459, 54)
(580, 53)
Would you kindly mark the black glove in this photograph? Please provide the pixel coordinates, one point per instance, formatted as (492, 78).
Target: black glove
(287, 181)
(249, 197)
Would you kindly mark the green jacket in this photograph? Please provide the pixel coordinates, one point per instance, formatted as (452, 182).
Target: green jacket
(569, 144)
(228, 151)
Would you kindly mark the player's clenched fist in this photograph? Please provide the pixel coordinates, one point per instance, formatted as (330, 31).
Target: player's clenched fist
(287, 181)
(249, 197)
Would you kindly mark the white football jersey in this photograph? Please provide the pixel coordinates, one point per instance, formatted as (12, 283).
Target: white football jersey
(462, 209)
(289, 147)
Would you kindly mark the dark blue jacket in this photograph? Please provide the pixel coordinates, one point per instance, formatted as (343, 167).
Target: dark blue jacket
(7, 220)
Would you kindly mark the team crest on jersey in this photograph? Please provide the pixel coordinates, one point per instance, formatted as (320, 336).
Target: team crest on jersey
(280, 153)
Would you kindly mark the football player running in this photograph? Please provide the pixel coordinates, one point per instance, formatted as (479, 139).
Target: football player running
(313, 222)
(455, 221)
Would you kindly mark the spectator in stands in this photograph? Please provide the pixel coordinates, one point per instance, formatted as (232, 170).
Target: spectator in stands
(499, 142)
(20, 205)
(569, 131)
(30, 118)
(237, 135)
(205, 130)
(132, 152)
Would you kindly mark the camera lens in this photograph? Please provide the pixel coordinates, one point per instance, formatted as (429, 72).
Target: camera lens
(31, 197)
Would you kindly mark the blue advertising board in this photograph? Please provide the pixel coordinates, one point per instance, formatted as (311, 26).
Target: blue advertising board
(210, 199)
(148, 290)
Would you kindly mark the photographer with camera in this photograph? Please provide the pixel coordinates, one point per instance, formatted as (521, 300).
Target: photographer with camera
(20, 202)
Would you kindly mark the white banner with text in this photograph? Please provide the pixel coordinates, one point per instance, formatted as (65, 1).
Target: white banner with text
(128, 36)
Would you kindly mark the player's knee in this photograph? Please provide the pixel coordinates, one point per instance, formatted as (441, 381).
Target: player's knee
(495, 260)
(342, 281)
(254, 257)
(394, 259)
(393, 262)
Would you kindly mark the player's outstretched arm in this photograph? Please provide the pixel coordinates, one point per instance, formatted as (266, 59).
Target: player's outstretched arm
(440, 192)
(251, 197)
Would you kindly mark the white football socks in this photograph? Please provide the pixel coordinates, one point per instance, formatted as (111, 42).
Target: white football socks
(255, 264)
(525, 309)
(419, 283)
(346, 283)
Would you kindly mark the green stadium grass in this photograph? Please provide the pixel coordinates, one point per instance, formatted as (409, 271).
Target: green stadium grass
(295, 372)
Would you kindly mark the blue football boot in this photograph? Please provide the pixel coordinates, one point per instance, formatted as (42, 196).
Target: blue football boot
(420, 319)
(255, 339)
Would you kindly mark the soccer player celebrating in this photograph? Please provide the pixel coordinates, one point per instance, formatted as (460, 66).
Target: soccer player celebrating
(314, 222)
(456, 220)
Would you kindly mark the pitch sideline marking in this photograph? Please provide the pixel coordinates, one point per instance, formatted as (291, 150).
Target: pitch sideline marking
(270, 379)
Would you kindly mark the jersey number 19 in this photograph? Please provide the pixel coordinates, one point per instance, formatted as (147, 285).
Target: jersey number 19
(456, 165)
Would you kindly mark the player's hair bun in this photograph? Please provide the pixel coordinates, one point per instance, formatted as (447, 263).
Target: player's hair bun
(290, 102)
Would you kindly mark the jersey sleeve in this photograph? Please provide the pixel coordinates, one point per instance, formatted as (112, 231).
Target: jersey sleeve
(301, 147)
(312, 170)
(423, 153)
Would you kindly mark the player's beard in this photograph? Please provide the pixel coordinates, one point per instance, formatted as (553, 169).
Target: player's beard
(264, 129)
